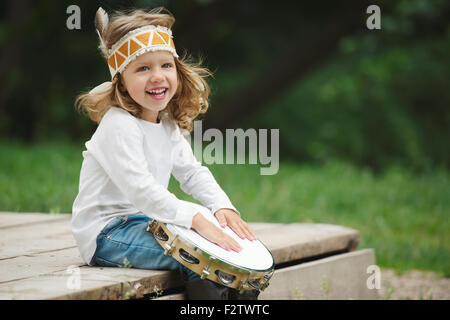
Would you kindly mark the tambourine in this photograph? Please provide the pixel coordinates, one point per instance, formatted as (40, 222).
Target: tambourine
(249, 269)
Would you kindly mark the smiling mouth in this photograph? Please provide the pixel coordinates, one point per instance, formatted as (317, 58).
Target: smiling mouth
(157, 93)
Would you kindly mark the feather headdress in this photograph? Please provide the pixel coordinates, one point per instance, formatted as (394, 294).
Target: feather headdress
(101, 23)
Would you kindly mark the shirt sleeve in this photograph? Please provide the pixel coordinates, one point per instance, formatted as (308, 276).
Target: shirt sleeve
(197, 180)
(118, 147)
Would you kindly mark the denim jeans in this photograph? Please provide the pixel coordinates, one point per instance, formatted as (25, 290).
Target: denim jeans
(124, 242)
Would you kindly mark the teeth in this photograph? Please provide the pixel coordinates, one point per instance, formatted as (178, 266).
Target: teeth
(157, 91)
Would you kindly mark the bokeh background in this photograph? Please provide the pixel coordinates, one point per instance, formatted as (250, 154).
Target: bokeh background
(363, 114)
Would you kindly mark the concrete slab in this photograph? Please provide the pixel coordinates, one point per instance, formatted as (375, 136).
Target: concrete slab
(340, 277)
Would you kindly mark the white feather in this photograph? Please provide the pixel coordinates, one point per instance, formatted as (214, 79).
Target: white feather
(101, 23)
(101, 18)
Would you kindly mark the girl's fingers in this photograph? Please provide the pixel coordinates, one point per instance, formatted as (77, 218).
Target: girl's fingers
(243, 231)
(233, 243)
(238, 230)
(230, 244)
(246, 231)
(221, 218)
(239, 226)
(235, 246)
(250, 232)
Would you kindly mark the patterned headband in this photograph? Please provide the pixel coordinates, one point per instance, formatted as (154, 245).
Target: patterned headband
(130, 46)
(137, 42)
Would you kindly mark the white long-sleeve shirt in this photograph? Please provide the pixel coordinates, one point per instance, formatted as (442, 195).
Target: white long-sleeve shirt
(126, 170)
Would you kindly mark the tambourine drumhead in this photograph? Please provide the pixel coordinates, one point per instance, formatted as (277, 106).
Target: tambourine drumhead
(253, 256)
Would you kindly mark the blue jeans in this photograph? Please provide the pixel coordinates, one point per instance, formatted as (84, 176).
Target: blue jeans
(124, 242)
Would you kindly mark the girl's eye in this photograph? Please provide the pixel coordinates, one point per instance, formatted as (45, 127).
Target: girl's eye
(167, 65)
(144, 68)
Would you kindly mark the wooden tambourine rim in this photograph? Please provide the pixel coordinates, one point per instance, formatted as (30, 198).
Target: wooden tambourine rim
(242, 274)
(226, 263)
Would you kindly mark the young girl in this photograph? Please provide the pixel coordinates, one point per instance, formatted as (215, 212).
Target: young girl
(154, 96)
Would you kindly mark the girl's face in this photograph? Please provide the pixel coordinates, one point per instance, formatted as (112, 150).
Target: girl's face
(151, 80)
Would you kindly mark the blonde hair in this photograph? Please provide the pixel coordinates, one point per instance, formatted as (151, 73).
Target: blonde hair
(191, 97)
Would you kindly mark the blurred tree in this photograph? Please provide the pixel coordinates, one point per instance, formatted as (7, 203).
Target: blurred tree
(15, 18)
(333, 87)
(379, 100)
(307, 44)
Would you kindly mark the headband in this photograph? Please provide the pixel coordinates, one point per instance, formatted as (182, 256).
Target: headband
(133, 44)
(137, 42)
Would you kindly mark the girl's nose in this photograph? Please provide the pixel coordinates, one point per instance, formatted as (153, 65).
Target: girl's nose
(156, 76)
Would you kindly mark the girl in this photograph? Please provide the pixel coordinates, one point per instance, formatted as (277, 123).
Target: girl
(154, 96)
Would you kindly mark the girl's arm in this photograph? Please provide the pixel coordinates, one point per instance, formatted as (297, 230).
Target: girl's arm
(198, 181)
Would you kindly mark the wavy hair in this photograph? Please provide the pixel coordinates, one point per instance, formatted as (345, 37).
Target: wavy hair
(191, 97)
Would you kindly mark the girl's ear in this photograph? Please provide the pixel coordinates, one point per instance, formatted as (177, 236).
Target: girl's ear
(121, 84)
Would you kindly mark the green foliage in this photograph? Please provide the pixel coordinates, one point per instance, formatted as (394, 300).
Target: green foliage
(373, 110)
(39, 178)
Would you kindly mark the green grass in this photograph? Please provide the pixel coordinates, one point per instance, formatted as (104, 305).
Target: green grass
(403, 216)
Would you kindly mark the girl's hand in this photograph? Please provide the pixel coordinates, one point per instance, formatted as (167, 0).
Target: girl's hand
(208, 230)
(228, 217)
